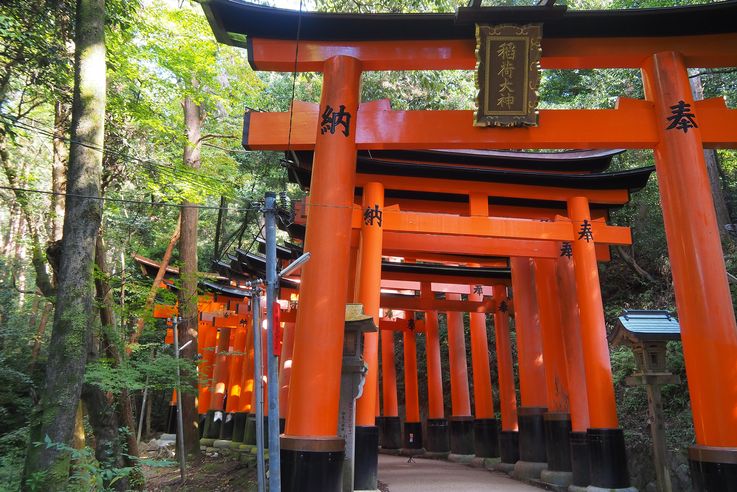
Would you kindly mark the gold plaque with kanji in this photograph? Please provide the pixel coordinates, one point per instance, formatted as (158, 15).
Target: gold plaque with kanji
(508, 74)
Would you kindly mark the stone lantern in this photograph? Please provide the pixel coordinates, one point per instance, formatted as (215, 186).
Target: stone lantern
(647, 333)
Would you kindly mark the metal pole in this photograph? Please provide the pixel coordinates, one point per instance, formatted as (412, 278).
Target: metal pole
(180, 421)
(258, 374)
(143, 409)
(272, 359)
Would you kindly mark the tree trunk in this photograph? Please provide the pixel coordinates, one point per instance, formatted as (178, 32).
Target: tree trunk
(58, 168)
(188, 275)
(157, 281)
(75, 307)
(712, 166)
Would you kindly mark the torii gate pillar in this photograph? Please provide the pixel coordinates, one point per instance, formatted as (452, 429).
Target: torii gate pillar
(311, 452)
(705, 310)
(461, 420)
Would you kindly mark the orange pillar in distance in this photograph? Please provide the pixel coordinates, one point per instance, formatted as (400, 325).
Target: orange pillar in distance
(437, 426)
(218, 387)
(508, 438)
(205, 367)
(557, 420)
(310, 436)
(368, 293)
(461, 420)
(235, 369)
(412, 422)
(605, 439)
(486, 436)
(285, 372)
(705, 309)
(533, 385)
(391, 437)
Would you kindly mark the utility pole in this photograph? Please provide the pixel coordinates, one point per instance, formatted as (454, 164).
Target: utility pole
(271, 356)
(258, 378)
(180, 418)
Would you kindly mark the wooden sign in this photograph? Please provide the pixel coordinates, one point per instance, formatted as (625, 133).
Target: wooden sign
(508, 74)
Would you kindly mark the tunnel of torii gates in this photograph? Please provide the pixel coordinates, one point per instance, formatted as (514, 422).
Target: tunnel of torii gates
(465, 218)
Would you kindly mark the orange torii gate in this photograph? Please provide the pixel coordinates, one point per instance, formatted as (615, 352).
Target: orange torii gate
(660, 42)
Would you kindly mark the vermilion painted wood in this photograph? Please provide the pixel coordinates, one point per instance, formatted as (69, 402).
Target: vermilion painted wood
(368, 292)
(435, 407)
(705, 309)
(411, 394)
(714, 50)
(482, 396)
(220, 374)
(412, 303)
(459, 393)
(507, 393)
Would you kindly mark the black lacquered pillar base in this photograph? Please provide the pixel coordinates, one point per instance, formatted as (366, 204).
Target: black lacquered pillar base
(509, 447)
(171, 420)
(486, 438)
(557, 435)
(608, 459)
(557, 446)
(713, 469)
(412, 435)
(366, 458)
(226, 429)
(532, 434)
(461, 435)
(312, 465)
(380, 425)
(213, 422)
(239, 426)
(392, 433)
(438, 437)
(579, 459)
(203, 420)
(282, 425)
(249, 434)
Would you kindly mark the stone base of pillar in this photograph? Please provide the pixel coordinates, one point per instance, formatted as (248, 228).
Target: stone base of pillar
(509, 447)
(392, 433)
(713, 468)
(507, 468)
(461, 458)
(528, 470)
(438, 437)
(366, 459)
(312, 465)
(461, 435)
(171, 420)
(577, 488)
(579, 459)
(239, 426)
(226, 430)
(608, 459)
(489, 463)
(532, 434)
(557, 442)
(202, 420)
(556, 478)
(486, 438)
(412, 435)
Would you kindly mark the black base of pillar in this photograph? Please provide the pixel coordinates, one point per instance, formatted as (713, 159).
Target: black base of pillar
(213, 422)
(486, 438)
(412, 435)
(532, 434)
(608, 457)
(203, 420)
(461, 435)
(380, 426)
(282, 425)
(509, 447)
(366, 459)
(392, 433)
(580, 459)
(311, 465)
(438, 438)
(226, 430)
(557, 432)
(171, 421)
(239, 426)
(713, 469)
(249, 435)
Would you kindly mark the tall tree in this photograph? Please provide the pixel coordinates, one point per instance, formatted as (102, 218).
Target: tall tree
(75, 313)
